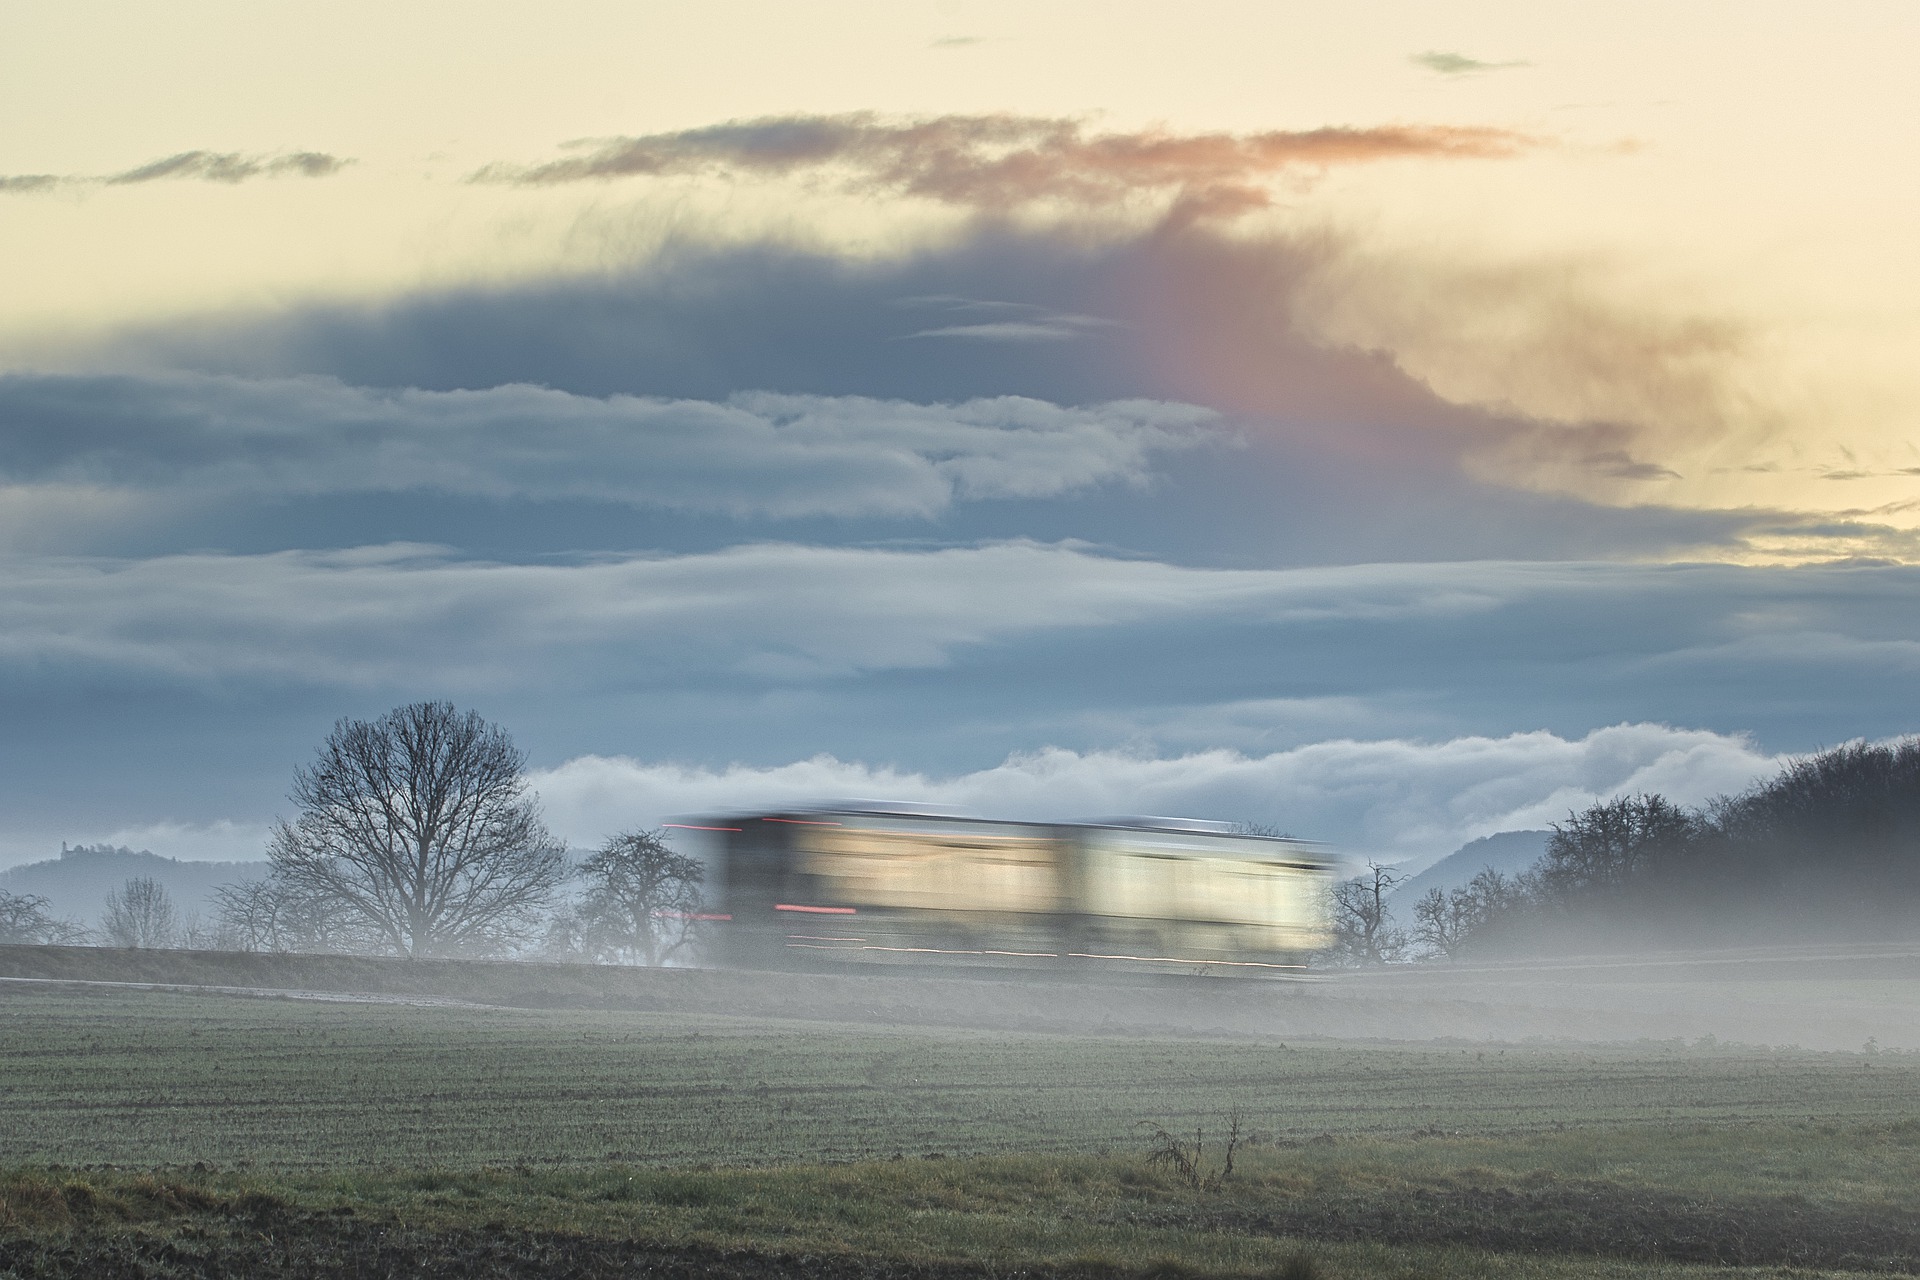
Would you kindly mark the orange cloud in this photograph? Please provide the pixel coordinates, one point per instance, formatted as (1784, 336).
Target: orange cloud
(999, 163)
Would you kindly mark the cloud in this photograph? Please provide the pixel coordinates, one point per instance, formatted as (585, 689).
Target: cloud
(364, 616)
(1555, 374)
(1042, 327)
(1556, 341)
(228, 167)
(757, 454)
(1006, 331)
(1014, 322)
(1392, 799)
(1616, 464)
(1468, 406)
(231, 167)
(1458, 64)
(1063, 632)
(1000, 163)
(189, 686)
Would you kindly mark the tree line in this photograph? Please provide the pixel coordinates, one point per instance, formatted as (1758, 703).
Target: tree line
(1829, 848)
(417, 836)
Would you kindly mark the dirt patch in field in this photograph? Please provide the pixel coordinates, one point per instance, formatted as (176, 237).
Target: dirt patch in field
(327, 1249)
(469, 1255)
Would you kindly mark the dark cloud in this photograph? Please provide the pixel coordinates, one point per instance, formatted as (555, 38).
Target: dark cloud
(777, 456)
(999, 163)
(29, 182)
(1606, 398)
(704, 323)
(229, 167)
(1349, 457)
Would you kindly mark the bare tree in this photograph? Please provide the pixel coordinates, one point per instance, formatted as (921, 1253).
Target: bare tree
(25, 917)
(419, 825)
(1452, 921)
(1441, 922)
(273, 914)
(1610, 848)
(643, 901)
(199, 933)
(140, 915)
(1363, 928)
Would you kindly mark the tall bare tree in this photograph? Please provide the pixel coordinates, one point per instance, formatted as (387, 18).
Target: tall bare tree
(140, 914)
(643, 901)
(1363, 928)
(420, 827)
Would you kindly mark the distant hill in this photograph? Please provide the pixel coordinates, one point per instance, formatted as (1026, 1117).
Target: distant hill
(1508, 852)
(76, 883)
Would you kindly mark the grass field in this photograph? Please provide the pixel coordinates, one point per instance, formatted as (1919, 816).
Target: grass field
(144, 1079)
(158, 1134)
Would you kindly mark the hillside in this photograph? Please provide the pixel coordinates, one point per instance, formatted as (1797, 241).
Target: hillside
(76, 883)
(1508, 852)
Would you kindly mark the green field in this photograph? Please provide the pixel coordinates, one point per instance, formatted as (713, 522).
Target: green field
(139, 1122)
(144, 1079)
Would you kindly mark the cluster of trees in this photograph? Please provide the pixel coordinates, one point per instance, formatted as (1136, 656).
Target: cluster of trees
(140, 913)
(28, 918)
(417, 837)
(1830, 847)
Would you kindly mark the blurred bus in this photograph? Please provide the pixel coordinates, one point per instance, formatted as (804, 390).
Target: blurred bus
(861, 886)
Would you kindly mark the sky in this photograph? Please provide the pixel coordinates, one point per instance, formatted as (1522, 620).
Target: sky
(1391, 423)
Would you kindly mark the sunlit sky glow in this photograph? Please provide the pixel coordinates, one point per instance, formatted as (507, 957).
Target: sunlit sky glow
(357, 354)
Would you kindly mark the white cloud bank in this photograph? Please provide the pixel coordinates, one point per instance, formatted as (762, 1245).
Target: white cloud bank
(754, 454)
(1393, 799)
(1396, 800)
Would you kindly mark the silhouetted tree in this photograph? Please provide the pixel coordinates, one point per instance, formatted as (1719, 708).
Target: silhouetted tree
(419, 826)
(1829, 846)
(1458, 920)
(1608, 848)
(1363, 927)
(1833, 839)
(642, 904)
(27, 918)
(140, 915)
